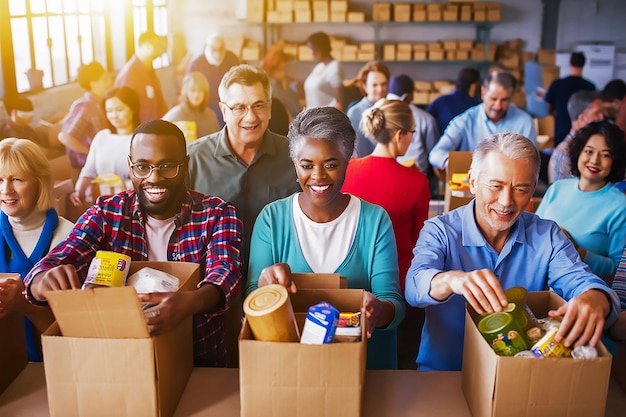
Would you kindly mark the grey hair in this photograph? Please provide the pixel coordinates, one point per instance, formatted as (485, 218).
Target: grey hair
(511, 145)
(327, 123)
(244, 74)
(503, 78)
(581, 101)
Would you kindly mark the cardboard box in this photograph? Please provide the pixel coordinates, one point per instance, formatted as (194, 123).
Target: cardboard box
(465, 13)
(13, 349)
(356, 17)
(549, 73)
(302, 16)
(451, 13)
(419, 12)
(304, 53)
(420, 55)
(422, 85)
(436, 55)
(381, 12)
(389, 52)
(284, 5)
(293, 379)
(499, 385)
(251, 51)
(420, 98)
(546, 56)
(450, 45)
(494, 12)
(276, 16)
(301, 5)
(255, 11)
(434, 13)
(100, 359)
(339, 6)
(402, 12)
(465, 44)
(463, 55)
(338, 17)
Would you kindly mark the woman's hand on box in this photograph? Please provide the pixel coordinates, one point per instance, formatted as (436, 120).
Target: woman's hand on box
(379, 313)
(279, 273)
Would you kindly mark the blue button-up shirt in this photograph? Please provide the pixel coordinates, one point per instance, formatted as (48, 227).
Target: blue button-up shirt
(537, 255)
(467, 129)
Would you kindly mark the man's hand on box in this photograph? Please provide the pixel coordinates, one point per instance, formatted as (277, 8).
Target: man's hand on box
(583, 319)
(277, 274)
(168, 310)
(62, 277)
(480, 288)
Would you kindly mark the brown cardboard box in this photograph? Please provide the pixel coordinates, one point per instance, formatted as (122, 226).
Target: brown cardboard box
(546, 56)
(255, 10)
(494, 12)
(498, 385)
(420, 55)
(480, 12)
(458, 162)
(434, 12)
(302, 16)
(389, 52)
(251, 51)
(463, 55)
(276, 16)
(290, 379)
(450, 44)
(419, 12)
(13, 352)
(402, 12)
(422, 85)
(284, 5)
(549, 73)
(304, 53)
(420, 97)
(100, 360)
(381, 12)
(356, 17)
(451, 13)
(301, 5)
(338, 17)
(466, 44)
(465, 13)
(321, 11)
(434, 55)
(339, 6)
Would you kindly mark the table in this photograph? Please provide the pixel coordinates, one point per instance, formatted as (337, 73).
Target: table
(215, 392)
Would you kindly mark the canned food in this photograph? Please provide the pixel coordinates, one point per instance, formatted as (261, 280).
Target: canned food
(107, 269)
(270, 314)
(502, 333)
(548, 346)
(518, 295)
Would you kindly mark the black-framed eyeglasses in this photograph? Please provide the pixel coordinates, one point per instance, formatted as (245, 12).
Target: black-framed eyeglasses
(143, 170)
(241, 110)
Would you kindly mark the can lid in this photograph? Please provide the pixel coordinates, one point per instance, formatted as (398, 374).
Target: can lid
(494, 322)
(516, 295)
(265, 300)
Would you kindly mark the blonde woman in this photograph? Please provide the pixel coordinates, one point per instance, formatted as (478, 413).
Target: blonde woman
(29, 228)
(193, 109)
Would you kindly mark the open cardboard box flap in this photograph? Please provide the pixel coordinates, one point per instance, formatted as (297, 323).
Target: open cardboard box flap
(112, 312)
(315, 281)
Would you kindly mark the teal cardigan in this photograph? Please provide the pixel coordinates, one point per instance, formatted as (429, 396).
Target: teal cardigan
(371, 264)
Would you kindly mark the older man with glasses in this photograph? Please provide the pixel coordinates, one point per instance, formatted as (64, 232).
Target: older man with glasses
(244, 163)
(160, 220)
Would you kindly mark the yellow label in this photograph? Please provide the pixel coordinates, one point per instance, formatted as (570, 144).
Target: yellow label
(109, 269)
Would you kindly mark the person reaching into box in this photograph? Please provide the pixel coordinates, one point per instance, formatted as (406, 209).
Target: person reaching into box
(473, 253)
(323, 230)
(160, 220)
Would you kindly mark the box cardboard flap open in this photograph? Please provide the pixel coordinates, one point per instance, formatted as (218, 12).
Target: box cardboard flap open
(313, 281)
(113, 312)
(101, 312)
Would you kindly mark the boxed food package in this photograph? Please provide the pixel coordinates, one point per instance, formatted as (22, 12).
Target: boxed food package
(292, 379)
(99, 358)
(518, 386)
(13, 346)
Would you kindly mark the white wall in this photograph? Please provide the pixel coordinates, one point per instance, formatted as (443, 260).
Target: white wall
(583, 21)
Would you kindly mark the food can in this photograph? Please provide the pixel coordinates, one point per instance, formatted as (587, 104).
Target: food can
(548, 346)
(107, 269)
(502, 333)
(270, 315)
(518, 295)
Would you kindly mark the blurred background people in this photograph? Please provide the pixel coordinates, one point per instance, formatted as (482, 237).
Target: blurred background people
(213, 63)
(561, 90)
(20, 116)
(138, 73)
(29, 228)
(86, 116)
(323, 86)
(447, 107)
(192, 115)
(374, 82)
(108, 153)
(284, 88)
(614, 95)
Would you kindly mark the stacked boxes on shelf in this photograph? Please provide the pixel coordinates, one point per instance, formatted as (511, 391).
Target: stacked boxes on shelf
(427, 91)
(303, 11)
(437, 12)
(445, 50)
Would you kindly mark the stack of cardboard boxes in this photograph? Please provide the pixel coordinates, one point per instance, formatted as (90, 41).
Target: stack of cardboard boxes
(445, 50)
(469, 11)
(302, 11)
(427, 91)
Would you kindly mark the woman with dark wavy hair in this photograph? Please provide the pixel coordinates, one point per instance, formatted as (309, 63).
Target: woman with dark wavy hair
(589, 207)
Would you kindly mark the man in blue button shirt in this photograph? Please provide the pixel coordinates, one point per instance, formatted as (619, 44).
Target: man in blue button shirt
(495, 114)
(472, 254)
